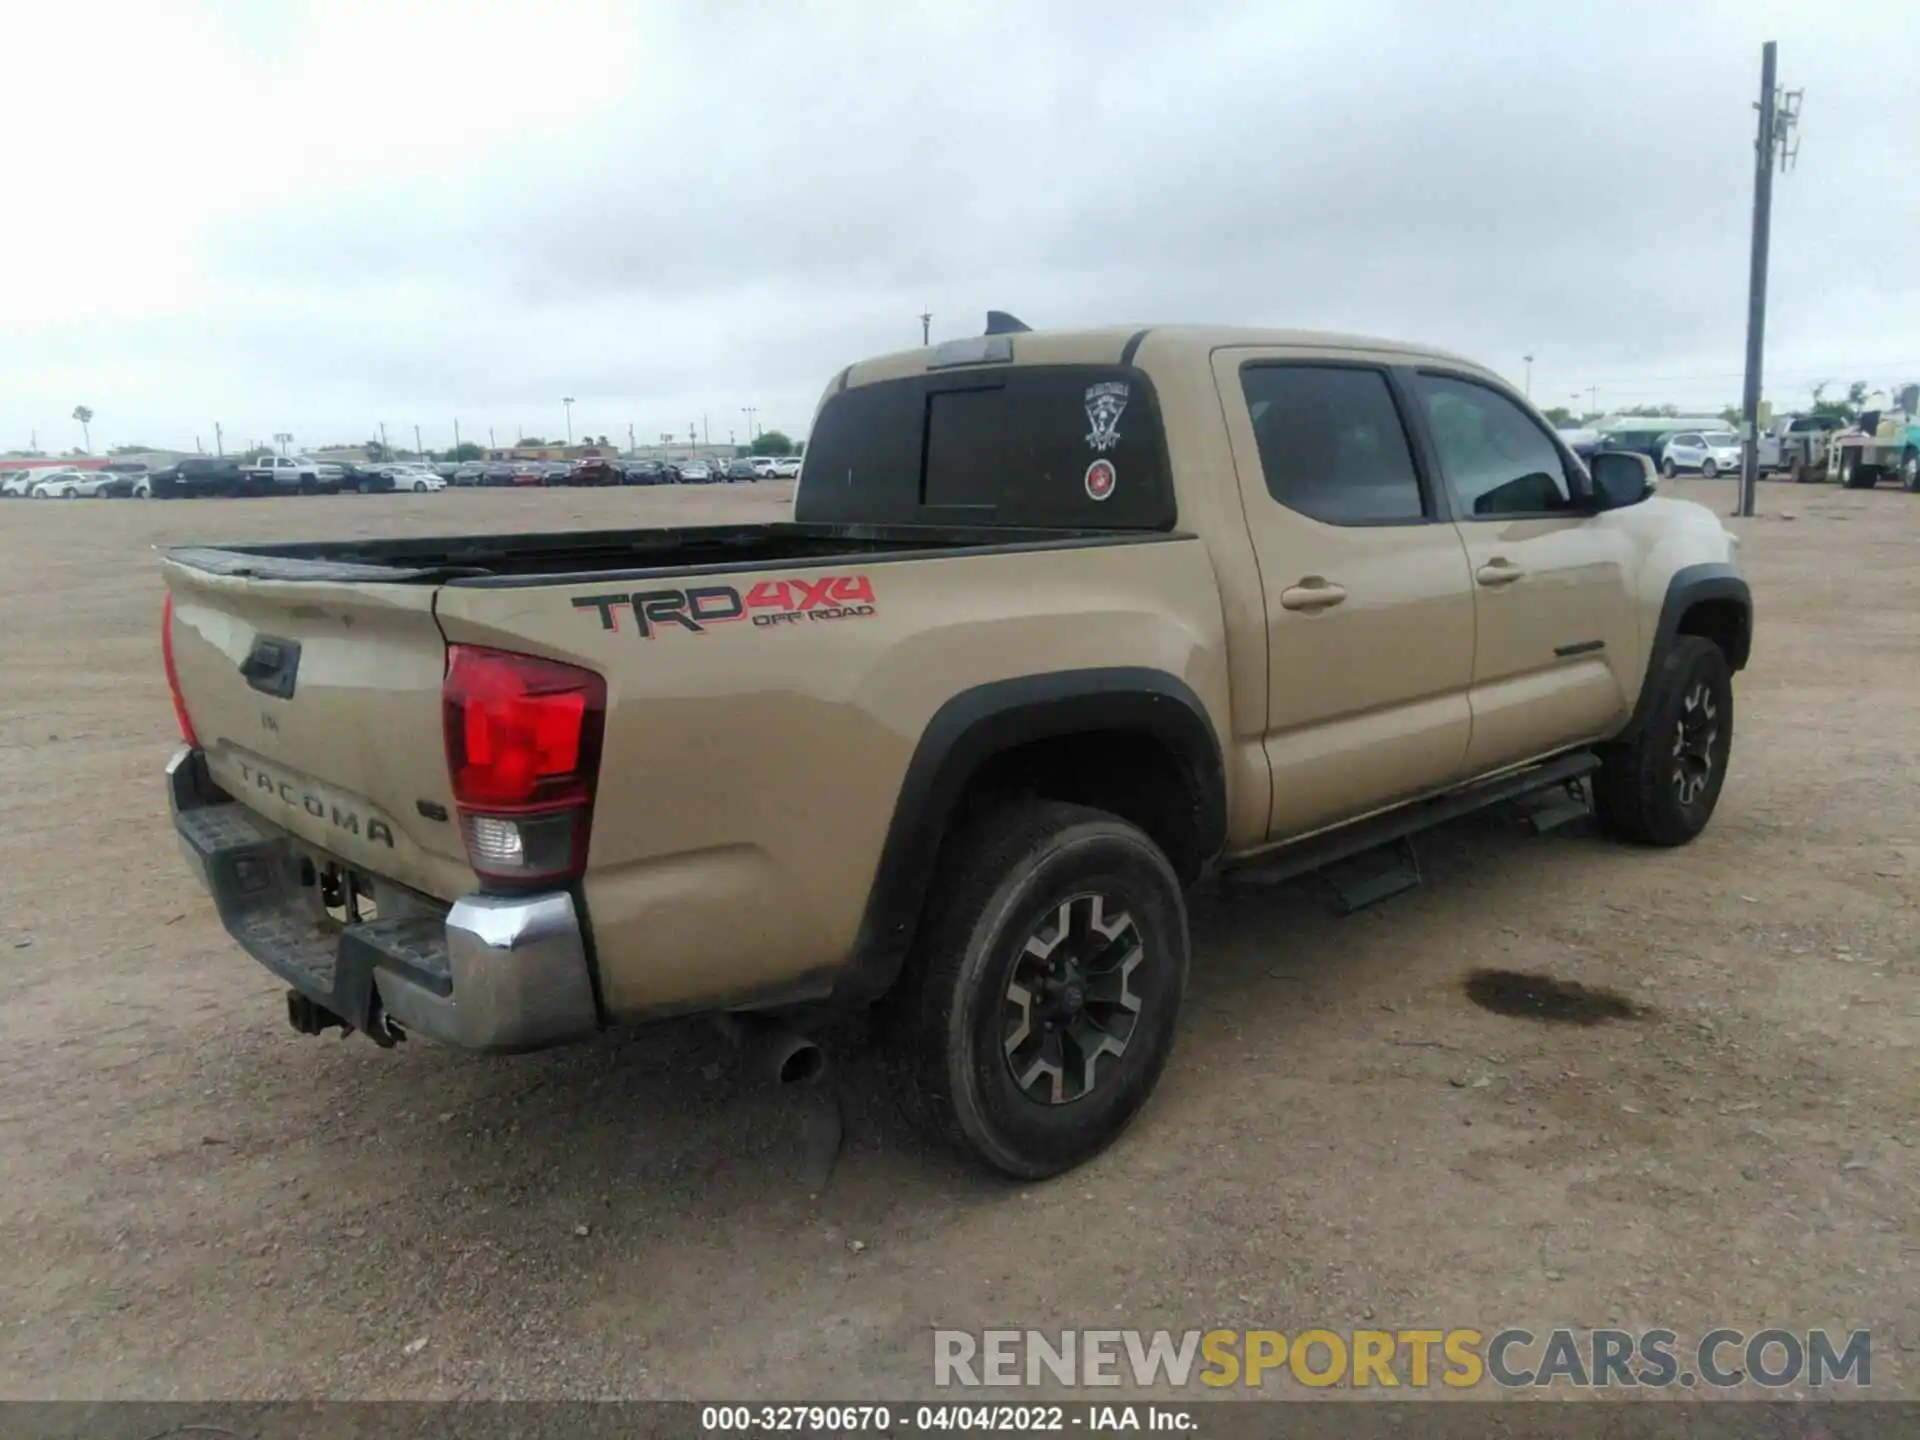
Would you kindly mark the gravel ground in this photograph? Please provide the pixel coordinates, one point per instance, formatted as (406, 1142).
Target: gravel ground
(200, 1204)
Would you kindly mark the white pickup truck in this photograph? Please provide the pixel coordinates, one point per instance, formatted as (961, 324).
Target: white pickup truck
(281, 472)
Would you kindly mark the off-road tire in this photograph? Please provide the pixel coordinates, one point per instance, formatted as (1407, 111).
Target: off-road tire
(1638, 790)
(1003, 881)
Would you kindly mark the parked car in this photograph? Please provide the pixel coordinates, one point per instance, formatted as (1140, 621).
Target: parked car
(410, 475)
(197, 475)
(471, 472)
(73, 485)
(19, 484)
(740, 470)
(697, 472)
(529, 472)
(998, 766)
(598, 470)
(281, 475)
(762, 465)
(786, 467)
(1708, 452)
(647, 472)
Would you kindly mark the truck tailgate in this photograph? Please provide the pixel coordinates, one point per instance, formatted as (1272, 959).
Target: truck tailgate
(317, 702)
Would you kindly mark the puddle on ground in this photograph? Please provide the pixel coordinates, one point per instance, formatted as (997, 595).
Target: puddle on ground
(1541, 997)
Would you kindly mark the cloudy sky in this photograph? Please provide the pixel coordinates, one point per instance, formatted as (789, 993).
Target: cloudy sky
(316, 217)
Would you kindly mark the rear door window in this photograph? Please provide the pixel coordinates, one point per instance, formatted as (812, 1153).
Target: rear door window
(1057, 446)
(1331, 443)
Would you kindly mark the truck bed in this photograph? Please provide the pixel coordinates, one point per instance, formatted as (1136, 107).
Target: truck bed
(557, 557)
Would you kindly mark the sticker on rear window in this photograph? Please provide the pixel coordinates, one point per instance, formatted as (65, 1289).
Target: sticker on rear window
(1106, 402)
(1101, 479)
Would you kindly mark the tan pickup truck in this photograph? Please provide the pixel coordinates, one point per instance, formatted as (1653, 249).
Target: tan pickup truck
(1060, 623)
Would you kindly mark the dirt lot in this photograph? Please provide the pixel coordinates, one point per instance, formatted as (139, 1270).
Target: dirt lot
(199, 1203)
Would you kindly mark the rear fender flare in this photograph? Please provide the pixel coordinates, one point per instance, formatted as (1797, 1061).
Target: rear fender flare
(971, 729)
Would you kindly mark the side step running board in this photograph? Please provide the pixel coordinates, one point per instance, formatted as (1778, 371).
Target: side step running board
(1398, 826)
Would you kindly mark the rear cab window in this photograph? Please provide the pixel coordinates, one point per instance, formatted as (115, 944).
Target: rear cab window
(1042, 446)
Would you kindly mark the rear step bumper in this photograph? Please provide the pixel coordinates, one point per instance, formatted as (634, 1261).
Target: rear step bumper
(498, 973)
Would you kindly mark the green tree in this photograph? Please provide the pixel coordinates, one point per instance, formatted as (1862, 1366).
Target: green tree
(800, 448)
(528, 441)
(771, 442)
(464, 451)
(1847, 409)
(85, 417)
(132, 449)
(1733, 415)
(1559, 417)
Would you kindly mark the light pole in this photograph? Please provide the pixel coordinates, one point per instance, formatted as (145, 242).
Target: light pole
(1779, 115)
(926, 326)
(419, 450)
(1528, 392)
(567, 400)
(385, 453)
(753, 430)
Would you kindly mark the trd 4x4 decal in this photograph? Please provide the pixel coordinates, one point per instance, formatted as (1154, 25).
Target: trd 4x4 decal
(769, 604)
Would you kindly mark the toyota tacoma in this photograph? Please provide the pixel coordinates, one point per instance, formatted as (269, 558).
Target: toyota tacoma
(1059, 623)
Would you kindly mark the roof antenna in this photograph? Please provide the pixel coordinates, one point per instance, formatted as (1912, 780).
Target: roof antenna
(999, 322)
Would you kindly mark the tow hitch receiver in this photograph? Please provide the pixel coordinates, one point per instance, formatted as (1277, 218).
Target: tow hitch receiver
(310, 1018)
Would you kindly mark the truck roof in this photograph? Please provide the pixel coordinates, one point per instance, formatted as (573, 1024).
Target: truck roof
(1107, 344)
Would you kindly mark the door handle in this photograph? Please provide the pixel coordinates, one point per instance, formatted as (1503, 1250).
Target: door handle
(1312, 593)
(1498, 571)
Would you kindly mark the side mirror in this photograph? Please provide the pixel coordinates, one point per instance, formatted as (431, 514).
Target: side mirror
(1620, 478)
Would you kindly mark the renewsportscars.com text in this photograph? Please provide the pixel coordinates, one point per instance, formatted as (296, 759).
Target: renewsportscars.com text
(1413, 1358)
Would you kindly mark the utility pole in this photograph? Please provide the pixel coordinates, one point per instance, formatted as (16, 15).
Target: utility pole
(631, 447)
(705, 433)
(419, 450)
(567, 400)
(456, 435)
(926, 327)
(218, 445)
(1779, 115)
(1528, 392)
(491, 443)
(386, 453)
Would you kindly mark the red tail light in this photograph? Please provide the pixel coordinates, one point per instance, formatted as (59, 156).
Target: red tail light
(523, 749)
(173, 675)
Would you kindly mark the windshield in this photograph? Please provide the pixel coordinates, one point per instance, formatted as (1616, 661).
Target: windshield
(1721, 439)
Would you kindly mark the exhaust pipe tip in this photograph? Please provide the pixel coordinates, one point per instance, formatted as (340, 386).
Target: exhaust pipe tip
(773, 1051)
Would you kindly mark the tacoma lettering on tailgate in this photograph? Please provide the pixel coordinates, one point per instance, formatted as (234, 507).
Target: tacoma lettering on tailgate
(768, 604)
